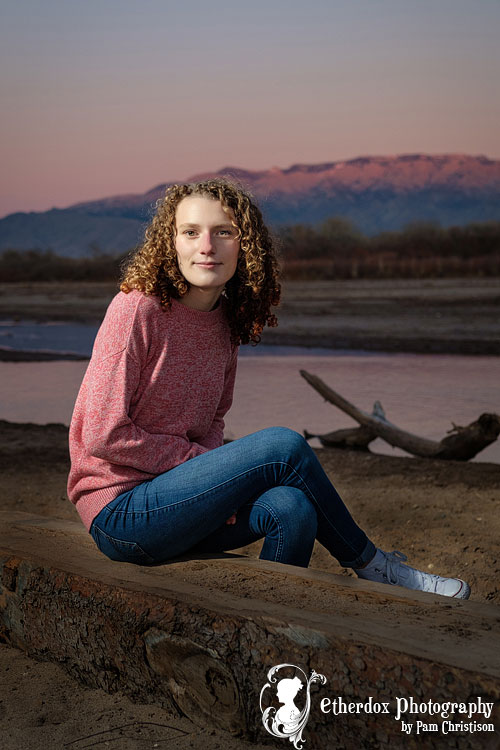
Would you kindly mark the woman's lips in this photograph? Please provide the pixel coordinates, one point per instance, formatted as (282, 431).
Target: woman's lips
(208, 265)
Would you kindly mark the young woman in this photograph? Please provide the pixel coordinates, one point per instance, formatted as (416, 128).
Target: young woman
(150, 476)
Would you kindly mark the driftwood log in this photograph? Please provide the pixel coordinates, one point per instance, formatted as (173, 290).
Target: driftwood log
(460, 443)
(197, 636)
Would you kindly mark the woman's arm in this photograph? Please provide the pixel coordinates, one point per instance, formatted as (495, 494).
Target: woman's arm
(101, 426)
(109, 433)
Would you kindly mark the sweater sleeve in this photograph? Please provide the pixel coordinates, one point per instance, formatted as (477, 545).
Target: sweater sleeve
(215, 436)
(101, 425)
(109, 433)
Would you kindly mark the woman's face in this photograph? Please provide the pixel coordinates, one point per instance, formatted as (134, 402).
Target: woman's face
(207, 248)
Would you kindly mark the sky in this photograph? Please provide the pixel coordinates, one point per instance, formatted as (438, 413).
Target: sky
(105, 97)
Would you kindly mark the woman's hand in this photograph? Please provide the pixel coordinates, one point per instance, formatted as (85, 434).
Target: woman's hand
(231, 521)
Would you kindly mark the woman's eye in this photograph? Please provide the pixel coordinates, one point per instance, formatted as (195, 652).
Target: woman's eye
(193, 232)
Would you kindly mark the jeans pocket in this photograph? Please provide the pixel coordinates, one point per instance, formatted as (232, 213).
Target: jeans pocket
(119, 550)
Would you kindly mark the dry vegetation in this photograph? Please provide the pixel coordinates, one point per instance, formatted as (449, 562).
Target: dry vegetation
(333, 250)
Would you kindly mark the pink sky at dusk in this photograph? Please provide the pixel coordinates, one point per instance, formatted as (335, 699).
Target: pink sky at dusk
(113, 96)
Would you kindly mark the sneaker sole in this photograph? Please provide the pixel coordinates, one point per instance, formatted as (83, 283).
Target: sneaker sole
(463, 592)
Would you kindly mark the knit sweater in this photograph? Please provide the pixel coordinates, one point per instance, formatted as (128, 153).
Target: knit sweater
(154, 395)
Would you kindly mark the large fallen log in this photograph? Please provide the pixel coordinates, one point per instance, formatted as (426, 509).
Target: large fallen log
(198, 636)
(460, 444)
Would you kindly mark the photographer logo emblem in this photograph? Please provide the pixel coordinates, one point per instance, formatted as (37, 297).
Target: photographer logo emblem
(290, 719)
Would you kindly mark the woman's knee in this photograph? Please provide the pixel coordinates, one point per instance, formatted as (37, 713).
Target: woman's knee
(288, 441)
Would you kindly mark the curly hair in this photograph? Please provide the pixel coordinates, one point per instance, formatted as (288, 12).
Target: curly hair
(250, 293)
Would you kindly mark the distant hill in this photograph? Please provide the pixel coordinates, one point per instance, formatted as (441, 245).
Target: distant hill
(376, 193)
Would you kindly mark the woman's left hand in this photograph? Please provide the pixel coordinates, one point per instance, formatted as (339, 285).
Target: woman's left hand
(231, 521)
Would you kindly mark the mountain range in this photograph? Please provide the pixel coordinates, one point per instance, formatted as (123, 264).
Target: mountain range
(375, 193)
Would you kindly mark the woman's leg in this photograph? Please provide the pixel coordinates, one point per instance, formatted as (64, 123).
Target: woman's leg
(175, 511)
(286, 519)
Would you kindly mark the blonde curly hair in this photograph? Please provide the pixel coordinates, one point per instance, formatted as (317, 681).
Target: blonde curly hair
(250, 293)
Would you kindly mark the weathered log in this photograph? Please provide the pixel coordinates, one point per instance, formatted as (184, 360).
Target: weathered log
(460, 441)
(198, 635)
(462, 445)
(351, 438)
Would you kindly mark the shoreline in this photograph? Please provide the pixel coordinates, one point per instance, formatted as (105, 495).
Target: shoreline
(414, 316)
(328, 346)
(26, 355)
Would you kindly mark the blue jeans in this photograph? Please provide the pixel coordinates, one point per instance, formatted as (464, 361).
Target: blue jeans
(271, 479)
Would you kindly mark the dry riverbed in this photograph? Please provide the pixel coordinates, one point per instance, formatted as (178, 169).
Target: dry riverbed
(404, 315)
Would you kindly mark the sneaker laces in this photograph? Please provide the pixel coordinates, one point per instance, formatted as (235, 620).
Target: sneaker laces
(389, 568)
(396, 574)
(392, 565)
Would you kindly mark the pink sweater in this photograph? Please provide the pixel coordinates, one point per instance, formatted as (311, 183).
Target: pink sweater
(154, 395)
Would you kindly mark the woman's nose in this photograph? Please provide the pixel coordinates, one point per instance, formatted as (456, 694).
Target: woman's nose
(206, 243)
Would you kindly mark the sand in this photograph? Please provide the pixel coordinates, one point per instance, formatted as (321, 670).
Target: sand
(443, 515)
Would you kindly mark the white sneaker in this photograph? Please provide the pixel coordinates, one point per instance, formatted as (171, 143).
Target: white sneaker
(387, 567)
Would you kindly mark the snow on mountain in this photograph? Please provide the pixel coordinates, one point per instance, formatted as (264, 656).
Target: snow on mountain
(376, 193)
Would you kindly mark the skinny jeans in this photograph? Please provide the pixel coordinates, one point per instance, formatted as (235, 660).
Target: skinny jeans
(271, 479)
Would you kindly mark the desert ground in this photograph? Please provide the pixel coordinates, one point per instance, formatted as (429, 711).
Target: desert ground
(445, 516)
